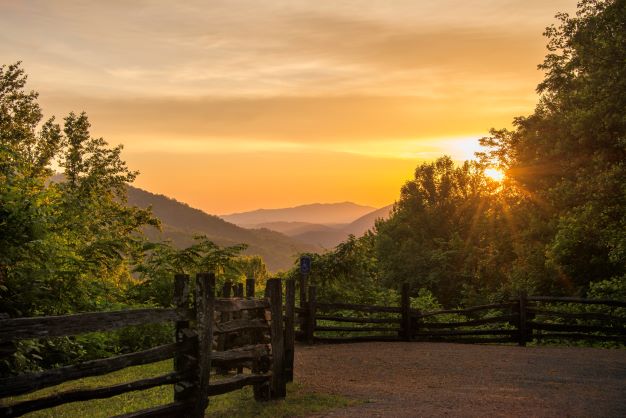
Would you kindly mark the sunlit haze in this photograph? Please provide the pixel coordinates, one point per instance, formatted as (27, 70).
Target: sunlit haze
(236, 105)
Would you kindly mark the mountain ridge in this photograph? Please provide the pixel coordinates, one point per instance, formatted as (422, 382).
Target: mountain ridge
(316, 213)
(295, 228)
(333, 236)
(180, 222)
(326, 235)
(361, 225)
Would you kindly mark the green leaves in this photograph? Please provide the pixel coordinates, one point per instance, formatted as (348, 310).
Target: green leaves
(566, 161)
(448, 233)
(162, 261)
(349, 272)
(64, 242)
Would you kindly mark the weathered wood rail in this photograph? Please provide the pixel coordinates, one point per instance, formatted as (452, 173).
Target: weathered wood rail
(258, 342)
(520, 320)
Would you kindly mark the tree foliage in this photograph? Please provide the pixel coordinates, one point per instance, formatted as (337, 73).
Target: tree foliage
(557, 223)
(447, 232)
(163, 261)
(567, 159)
(69, 242)
(64, 244)
(349, 272)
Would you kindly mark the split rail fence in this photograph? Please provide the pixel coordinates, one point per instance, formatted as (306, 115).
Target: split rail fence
(247, 333)
(521, 320)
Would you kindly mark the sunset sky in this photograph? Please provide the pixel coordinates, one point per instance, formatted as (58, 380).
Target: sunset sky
(235, 105)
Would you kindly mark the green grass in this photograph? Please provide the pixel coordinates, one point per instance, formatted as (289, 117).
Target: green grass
(299, 402)
(240, 403)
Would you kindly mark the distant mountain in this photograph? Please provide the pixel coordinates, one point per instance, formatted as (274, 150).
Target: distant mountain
(180, 223)
(327, 236)
(330, 237)
(366, 222)
(317, 213)
(296, 228)
(325, 239)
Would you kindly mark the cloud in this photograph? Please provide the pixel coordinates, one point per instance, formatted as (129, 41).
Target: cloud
(199, 48)
(397, 47)
(297, 119)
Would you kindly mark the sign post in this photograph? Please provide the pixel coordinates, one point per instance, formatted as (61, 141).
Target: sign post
(305, 264)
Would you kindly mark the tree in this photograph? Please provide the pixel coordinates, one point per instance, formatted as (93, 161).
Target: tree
(567, 159)
(63, 244)
(162, 261)
(252, 266)
(348, 273)
(447, 233)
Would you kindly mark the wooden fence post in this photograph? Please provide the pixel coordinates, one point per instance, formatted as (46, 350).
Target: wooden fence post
(222, 339)
(205, 307)
(262, 391)
(406, 313)
(238, 315)
(290, 332)
(185, 358)
(278, 383)
(303, 286)
(250, 282)
(302, 316)
(311, 315)
(523, 334)
(226, 289)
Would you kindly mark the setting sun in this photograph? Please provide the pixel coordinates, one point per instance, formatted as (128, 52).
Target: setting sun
(494, 174)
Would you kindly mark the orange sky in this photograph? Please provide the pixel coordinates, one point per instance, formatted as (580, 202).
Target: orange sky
(234, 105)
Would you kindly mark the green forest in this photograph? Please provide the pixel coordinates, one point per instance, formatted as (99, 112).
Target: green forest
(555, 225)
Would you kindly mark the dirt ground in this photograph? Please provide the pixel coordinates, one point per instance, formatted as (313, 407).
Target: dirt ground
(453, 380)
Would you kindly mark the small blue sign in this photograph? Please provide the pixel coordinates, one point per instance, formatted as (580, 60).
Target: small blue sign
(305, 264)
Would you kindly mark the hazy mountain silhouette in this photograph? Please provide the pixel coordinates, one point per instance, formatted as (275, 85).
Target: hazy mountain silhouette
(316, 213)
(296, 228)
(366, 222)
(327, 236)
(180, 223)
(330, 237)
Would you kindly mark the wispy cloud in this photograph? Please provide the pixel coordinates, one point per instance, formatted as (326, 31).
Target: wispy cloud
(274, 47)
(298, 119)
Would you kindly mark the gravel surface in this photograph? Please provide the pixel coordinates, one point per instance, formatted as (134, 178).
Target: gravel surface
(454, 380)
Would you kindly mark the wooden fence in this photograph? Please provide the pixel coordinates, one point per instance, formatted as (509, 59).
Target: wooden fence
(520, 321)
(259, 343)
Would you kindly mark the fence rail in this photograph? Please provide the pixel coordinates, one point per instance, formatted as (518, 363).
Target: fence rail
(258, 341)
(66, 325)
(519, 321)
(353, 307)
(30, 382)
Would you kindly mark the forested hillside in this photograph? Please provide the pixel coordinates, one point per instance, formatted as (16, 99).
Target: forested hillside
(180, 223)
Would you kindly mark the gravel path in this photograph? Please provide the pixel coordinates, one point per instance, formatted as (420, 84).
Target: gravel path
(453, 380)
